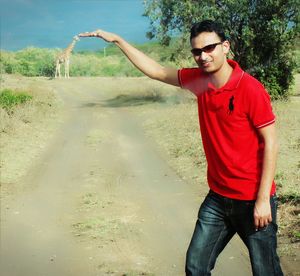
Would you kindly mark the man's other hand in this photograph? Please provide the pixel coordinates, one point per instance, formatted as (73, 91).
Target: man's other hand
(262, 213)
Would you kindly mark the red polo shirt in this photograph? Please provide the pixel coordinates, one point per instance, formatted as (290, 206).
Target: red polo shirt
(229, 118)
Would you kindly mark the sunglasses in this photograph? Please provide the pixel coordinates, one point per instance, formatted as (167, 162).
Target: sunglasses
(207, 49)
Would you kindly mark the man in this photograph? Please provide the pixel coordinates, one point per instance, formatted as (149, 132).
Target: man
(238, 134)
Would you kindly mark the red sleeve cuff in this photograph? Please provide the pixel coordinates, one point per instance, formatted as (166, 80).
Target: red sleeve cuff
(179, 78)
(265, 124)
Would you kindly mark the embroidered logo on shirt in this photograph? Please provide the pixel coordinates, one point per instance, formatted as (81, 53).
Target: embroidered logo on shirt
(231, 105)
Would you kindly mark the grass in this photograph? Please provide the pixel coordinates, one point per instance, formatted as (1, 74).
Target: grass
(96, 227)
(20, 135)
(41, 62)
(292, 197)
(295, 90)
(22, 103)
(288, 172)
(90, 200)
(10, 98)
(94, 222)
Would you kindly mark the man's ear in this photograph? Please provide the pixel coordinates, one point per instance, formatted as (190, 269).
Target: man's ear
(226, 47)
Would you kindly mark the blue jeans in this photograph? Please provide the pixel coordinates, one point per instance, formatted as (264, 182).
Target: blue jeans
(219, 219)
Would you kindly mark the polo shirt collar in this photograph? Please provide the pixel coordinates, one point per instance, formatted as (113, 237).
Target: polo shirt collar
(233, 81)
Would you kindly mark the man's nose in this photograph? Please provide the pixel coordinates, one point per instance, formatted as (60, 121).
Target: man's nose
(203, 56)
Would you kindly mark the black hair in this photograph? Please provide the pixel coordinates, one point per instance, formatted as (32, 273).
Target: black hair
(207, 26)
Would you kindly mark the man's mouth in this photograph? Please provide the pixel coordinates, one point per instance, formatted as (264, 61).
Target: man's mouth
(205, 63)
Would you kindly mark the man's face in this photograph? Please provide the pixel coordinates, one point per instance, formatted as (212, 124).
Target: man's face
(212, 58)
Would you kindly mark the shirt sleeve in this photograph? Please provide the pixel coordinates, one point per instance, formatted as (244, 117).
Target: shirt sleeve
(192, 79)
(260, 110)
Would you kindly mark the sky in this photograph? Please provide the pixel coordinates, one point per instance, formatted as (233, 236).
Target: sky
(53, 23)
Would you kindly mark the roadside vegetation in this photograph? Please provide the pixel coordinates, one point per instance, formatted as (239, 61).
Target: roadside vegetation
(26, 107)
(22, 105)
(10, 99)
(33, 62)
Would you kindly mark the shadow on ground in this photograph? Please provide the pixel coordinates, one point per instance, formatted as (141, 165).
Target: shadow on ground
(128, 100)
(133, 100)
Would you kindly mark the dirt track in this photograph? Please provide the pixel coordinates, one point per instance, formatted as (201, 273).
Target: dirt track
(101, 200)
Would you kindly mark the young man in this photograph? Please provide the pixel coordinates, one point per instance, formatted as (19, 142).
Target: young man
(239, 139)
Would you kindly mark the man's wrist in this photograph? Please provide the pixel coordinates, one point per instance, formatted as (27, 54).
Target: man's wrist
(263, 197)
(117, 39)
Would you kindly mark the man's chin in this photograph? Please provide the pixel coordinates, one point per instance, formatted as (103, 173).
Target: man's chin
(207, 69)
(207, 66)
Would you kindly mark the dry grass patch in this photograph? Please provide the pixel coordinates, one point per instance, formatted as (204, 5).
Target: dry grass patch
(288, 167)
(289, 220)
(97, 227)
(25, 129)
(41, 104)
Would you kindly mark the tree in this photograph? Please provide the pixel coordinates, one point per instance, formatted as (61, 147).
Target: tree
(262, 33)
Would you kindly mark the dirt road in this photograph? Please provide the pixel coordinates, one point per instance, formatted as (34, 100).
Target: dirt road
(101, 200)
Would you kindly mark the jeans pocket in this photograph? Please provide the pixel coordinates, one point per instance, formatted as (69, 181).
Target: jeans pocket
(268, 230)
(263, 229)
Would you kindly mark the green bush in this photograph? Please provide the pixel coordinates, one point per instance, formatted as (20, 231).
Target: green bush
(84, 65)
(36, 62)
(297, 54)
(29, 62)
(97, 65)
(9, 98)
(41, 62)
(8, 63)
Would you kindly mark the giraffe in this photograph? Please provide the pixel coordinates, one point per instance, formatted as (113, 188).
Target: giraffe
(64, 57)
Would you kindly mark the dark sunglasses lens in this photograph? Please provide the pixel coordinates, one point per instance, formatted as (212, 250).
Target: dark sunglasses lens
(209, 48)
(196, 52)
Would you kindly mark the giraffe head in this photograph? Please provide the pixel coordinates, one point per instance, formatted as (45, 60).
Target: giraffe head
(76, 38)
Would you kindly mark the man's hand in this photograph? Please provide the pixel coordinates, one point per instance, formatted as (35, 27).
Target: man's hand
(108, 37)
(262, 213)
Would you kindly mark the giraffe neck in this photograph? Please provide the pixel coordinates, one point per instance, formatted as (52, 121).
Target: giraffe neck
(70, 47)
(65, 55)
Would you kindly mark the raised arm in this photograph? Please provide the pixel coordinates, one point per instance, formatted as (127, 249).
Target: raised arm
(144, 63)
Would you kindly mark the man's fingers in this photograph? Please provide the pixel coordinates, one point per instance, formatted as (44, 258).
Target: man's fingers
(90, 34)
(262, 223)
(262, 215)
(86, 34)
(270, 218)
(256, 223)
(108, 37)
